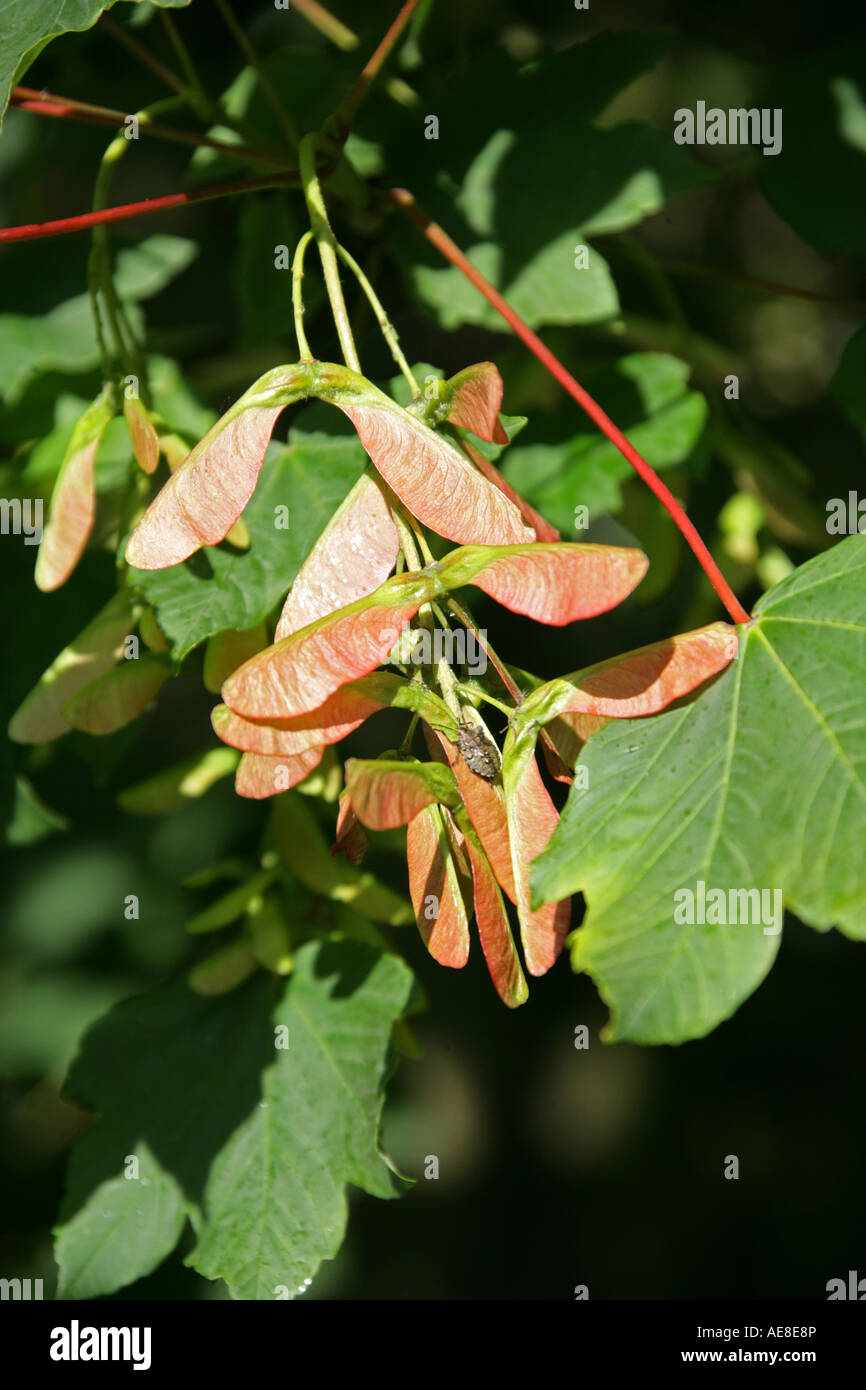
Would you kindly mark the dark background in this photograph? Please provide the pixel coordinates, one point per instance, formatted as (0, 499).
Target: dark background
(558, 1167)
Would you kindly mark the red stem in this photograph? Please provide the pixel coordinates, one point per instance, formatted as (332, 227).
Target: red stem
(345, 113)
(125, 210)
(49, 104)
(442, 241)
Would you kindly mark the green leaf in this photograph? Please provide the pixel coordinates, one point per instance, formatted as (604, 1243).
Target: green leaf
(63, 340)
(173, 1076)
(263, 292)
(528, 244)
(173, 788)
(823, 97)
(647, 394)
(252, 1139)
(31, 819)
(27, 28)
(704, 793)
(219, 588)
(276, 1204)
(543, 288)
(304, 849)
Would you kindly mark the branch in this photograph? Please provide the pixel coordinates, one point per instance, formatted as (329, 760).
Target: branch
(49, 104)
(451, 251)
(126, 210)
(345, 113)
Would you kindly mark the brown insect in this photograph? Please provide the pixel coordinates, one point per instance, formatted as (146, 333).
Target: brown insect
(480, 755)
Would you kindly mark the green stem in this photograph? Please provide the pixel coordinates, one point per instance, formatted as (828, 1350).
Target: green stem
(406, 745)
(327, 244)
(99, 273)
(465, 617)
(388, 331)
(407, 542)
(196, 95)
(194, 82)
(297, 300)
(491, 700)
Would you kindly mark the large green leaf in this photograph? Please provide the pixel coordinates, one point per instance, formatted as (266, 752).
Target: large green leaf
(28, 27)
(760, 782)
(276, 1204)
(647, 393)
(615, 179)
(253, 1141)
(823, 98)
(64, 340)
(220, 588)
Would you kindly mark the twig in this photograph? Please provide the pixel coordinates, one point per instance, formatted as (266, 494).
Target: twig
(143, 55)
(49, 104)
(123, 211)
(448, 248)
(341, 121)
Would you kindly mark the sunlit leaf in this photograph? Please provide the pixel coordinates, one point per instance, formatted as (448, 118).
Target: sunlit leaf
(175, 787)
(702, 793)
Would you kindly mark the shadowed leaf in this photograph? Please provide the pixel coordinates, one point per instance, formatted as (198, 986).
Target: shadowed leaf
(305, 850)
(118, 697)
(226, 651)
(176, 786)
(93, 653)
